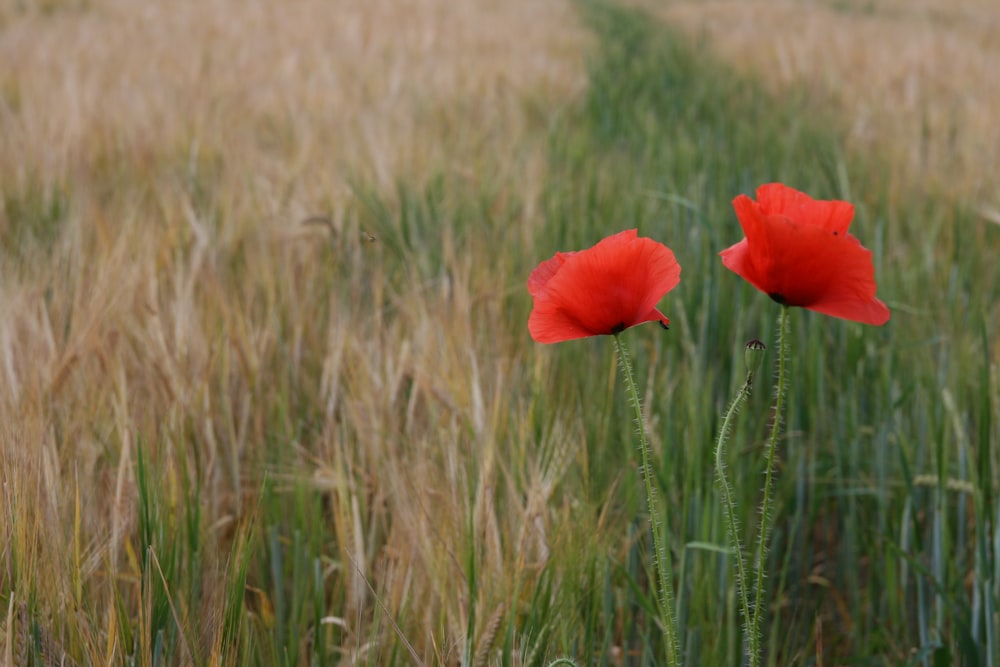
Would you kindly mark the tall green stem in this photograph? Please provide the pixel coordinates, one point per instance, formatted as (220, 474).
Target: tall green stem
(763, 536)
(661, 558)
(732, 523)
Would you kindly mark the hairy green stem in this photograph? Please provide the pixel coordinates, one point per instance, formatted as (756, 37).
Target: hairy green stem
(661, 557)
(729, 511)
(763, 536)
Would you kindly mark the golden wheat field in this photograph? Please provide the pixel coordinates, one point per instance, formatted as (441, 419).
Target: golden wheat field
(161, 120)
(189, 172)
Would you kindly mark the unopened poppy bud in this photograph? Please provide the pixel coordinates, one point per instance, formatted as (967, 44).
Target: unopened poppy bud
(753, 354)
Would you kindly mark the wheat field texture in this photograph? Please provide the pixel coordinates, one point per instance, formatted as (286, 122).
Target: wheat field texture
(267, 394)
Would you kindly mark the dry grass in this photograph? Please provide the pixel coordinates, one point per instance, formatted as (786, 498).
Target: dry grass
(916, 81)
(157, 284)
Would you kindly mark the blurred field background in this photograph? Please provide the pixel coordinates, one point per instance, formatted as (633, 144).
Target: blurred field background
(915, 82)
(266, 390)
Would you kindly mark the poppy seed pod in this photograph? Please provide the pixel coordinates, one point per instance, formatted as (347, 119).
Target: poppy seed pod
(753, 354)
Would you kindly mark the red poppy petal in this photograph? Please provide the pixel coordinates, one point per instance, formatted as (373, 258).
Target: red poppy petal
(736, 258)
(656, 315)
(872, 311)
(609, 287)
(779, 199)
(550, 324)
(544, 272)
(797, 250)
(647, 270)
(752, 258)
(804, 265)
(837, 278)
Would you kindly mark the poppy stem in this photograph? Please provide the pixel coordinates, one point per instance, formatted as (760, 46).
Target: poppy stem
(766, 510)
(661, 557)
(732, 522)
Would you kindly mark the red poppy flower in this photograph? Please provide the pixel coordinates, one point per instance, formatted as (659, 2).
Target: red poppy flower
(602, 290)
(798, 252)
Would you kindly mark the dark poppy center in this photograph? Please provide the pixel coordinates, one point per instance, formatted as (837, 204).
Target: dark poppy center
(618, 328)
(780, 298)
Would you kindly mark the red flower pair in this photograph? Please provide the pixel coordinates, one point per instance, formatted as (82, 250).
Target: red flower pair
(797, 251)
